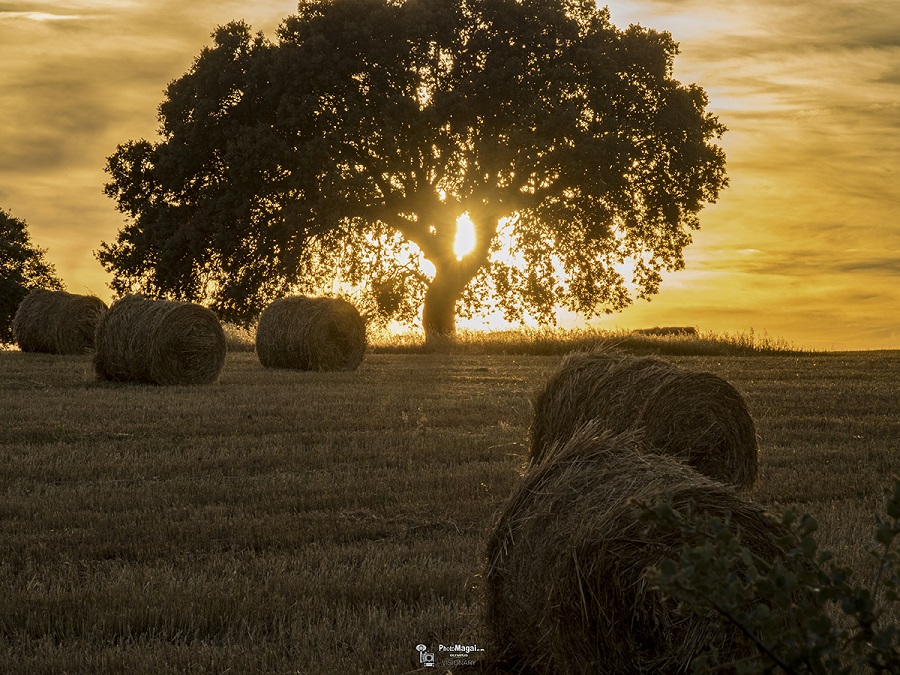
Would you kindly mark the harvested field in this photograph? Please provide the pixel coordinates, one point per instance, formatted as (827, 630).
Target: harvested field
(328, 523)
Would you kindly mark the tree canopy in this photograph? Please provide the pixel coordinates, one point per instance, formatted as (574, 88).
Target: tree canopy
(347, 148)
(22, 267)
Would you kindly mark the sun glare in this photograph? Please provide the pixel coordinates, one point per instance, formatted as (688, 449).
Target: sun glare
(465, 236)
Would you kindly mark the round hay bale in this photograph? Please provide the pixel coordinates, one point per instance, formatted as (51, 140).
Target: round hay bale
(311, 334)
(56, 322)
(698, 418)
(565, 585)
(159, 342)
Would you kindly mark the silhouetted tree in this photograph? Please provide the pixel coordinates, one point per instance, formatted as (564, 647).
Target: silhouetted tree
(22, 267)
(371, 125)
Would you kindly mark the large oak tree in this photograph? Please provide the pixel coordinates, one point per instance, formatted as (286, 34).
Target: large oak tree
(371, 125)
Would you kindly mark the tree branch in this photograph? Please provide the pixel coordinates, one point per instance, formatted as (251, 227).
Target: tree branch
(760, 645)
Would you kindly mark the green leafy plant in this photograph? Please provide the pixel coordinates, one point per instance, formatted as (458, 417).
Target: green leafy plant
(805, 612)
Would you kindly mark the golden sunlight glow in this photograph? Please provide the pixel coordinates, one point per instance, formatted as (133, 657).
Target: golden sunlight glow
(428, 268)
(465, 236)
(759, 243)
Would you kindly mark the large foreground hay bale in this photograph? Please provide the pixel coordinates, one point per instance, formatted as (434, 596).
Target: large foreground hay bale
(698, 418)
(57, 322)
(311, 334)
(566, 587)
(159, 342)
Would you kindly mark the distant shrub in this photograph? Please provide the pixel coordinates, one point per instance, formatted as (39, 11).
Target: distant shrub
(668, 330)
(842, 626)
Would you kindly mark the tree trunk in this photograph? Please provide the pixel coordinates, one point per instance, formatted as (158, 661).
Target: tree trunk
(439, 309)
(451, 278)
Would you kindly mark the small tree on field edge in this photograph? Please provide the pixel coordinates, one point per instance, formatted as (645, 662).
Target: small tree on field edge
(22, 267)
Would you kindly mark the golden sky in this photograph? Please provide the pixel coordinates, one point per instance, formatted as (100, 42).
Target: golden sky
(804, 245)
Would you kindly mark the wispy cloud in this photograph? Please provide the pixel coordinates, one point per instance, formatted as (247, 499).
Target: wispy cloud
(77, 77)
(37, 16)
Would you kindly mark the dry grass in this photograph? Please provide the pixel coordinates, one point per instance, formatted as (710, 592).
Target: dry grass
(311, 334)
(565, 581)
(549, 342)
(159, 342)
(238, 338)
(57, 322)
(698, 418)
(559, 341)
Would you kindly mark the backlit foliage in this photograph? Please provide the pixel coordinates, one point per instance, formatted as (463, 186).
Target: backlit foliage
(282, 164)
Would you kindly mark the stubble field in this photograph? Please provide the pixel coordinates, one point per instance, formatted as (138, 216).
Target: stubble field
(284, 522)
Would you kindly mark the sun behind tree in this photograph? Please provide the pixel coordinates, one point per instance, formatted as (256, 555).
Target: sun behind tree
(361, 135)
(465, 240)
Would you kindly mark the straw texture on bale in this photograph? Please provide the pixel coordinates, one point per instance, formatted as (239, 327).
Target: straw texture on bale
(698, 418)
(57, 322)
(565, 585)
(311, 334)
(159, 342)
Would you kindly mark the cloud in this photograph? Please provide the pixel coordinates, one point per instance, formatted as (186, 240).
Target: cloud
(764, 25)
(98, 85)
(37, 16)
(889, 265)
(837, 267)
